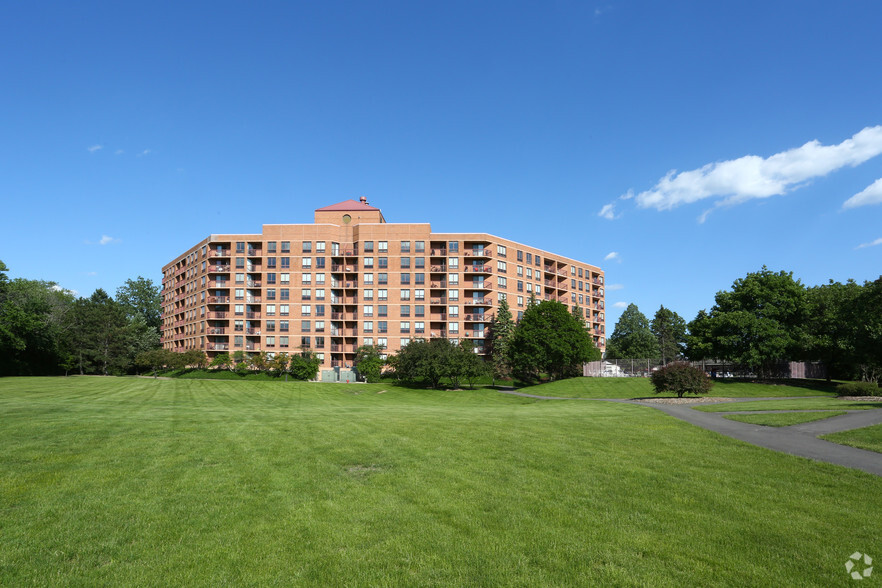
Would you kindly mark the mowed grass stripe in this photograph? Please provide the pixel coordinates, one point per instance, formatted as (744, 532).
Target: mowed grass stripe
(237, 482)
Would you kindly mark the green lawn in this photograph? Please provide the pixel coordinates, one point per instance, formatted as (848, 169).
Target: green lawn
(793, 404)
(625, 388)
(123, 481)
(784, 419)
(867, 438)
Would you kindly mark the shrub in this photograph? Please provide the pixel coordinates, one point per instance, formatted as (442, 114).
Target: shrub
(858, 389)
(681, 378)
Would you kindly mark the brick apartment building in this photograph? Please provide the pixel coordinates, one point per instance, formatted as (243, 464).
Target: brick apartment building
(351, 278)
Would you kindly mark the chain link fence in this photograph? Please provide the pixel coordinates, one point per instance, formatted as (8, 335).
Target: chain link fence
(716, 368)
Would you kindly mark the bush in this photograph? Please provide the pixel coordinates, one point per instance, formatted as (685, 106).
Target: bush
(681, 378)
(858, 389)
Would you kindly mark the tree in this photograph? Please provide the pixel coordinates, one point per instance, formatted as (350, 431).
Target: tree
(681, 378)
(100, 335)
(222, 361)
(833, 323)
(425, 362)
(549, 340)
(141, 298)
(868, 342)
(758, 324)
(669, 329)
(501, 330)
(304, 366)
(369, 362)
(470, 365)
(632, 338)
(279, 364)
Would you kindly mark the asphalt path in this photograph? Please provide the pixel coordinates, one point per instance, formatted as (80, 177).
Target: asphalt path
(798, 440)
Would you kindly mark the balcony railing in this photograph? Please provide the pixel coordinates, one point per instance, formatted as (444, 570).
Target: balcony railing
(436, 301)
(438, 252)
(481, 269)
(218, 346)
(252, 315)
(218, 268)
(219, 253)
(217, 330)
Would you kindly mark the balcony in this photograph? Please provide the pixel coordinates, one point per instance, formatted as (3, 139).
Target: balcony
(253, 299)
(218, 346)
(437, 269)
(438, 253)
(218, 299)
(219, 253)
(481, 269)
(217, 330)
(252, 315)
(477, 302)
(252, 331)
(218, 284)
(256, 284)
(218, 268)
(478, 253)
(475, 318)
(437, 301)
(254, 252)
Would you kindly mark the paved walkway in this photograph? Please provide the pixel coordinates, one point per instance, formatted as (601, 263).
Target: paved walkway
(798, 440)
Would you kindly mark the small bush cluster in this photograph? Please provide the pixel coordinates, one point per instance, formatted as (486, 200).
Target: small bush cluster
(858, 389)
(681, 378)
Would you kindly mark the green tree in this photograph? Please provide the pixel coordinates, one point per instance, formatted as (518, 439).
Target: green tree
(680, 378)
(100, 335)
(141, 298)
(501, 331)
(470, 366)
(549, 340)
(632, 338)
(833, 323)
(369, 362)
(868, 341)
(669, 329)
(278, 365)
(425, 362)
(222, 361)
(758, 324)
(304, 366)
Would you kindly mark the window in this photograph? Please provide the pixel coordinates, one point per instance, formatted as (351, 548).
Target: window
(271, 247)
(237, 340)
(502, 296)
(283, 326)
(368, 341)
(405, 294)
(382, 310)
(500, 250)
(405, 246)
(419, 262)
(240, 309)
(270, 325)
(306, 263)
(419, 246)
(383, 278)
(405, 279)
(381, 326)
(419, 327)
(286, 246)
(319, 246)
(305, 309)
(520, 300)
(319, 262)
(500, 266)
(405, 310)
(453, 279)
(305, 278)
(538, 260)
(382, 262)
(305, 326)
(405, 263)
(529, 258)
(368, 279)
(419, 294)
(306, 294)
(320, 344)
(320, 294)
(368, 310)
(453, 327)
(580, 299)
(270, 262)
(503, 283)
(319, 326)
(520, 255)
(307, 247)
(573, 284)
(382, 342)
(405, 326)
(368, 262)
(319, 279)
(319, 310)
(580, 273)
(283, 309)
(367, 294)
(240, 278)
(529, 273)
(368, 246)
(283, 341)
(580, 284)
(453, 294)
(520, 271)
(382, 294)
(286, 262)
(520, 286)
(240, 262)
(453, 263)
(240, 246)
(270, 310)
(238, 325)
(270, 341)
(368, 326)
(240, 293)
(284, 278)
(383, 247)
(453, 311)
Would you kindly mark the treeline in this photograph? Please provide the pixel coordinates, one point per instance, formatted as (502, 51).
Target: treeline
(46, 330)
(765, 319)
(303, 366)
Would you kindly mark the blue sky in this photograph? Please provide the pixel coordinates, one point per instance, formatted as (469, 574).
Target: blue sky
(677, 145)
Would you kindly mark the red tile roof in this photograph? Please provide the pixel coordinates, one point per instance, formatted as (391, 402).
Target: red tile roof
(347, 205)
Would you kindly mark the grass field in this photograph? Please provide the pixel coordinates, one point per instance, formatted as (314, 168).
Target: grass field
(784, 419)
(109, 481)
(626, 388)
(795, 404)
(866, 438)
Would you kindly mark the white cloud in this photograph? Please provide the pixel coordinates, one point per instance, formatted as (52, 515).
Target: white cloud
(614, 287)
(118, 152)
(145, 152)
(106, 239)
(613, 256)
(870, 244)
(739, 180)
(94, 148)
(608, 211)
(620, 305)
(91, 273)
(872, 194)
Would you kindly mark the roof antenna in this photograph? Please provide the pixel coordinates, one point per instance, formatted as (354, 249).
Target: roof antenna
(363, 200)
